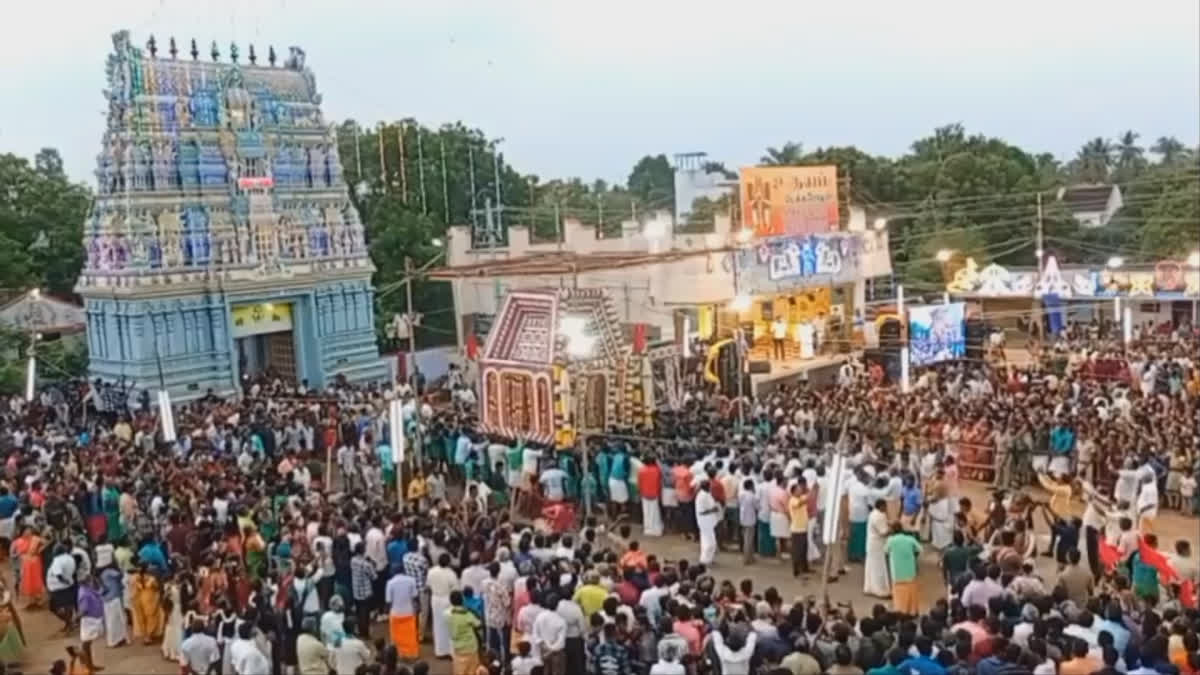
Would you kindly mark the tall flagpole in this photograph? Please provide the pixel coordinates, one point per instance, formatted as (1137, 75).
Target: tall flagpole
(382, 162)
(445, 188)
(403, 173)
(421, 169)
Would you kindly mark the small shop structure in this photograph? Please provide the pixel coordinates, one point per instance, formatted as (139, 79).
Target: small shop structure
(1163, 292)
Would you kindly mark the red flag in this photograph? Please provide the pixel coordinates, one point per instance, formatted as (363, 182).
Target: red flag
(1153, 558)
(472, 346)
(1109, 555)
(639, 338)
(1187, 594)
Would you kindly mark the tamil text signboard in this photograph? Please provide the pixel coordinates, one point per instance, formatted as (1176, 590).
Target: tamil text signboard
(786, 264)
(789, 200)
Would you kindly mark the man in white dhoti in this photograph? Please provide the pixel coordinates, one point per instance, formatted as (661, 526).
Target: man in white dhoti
(1125, 489)
(941, 515)
(876, 581)
(1147, 504)
(112, 586)
(441, 581)
(708, 514)
(649, 482)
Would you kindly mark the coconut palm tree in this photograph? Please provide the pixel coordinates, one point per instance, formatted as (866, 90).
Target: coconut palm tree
(1130, 157)
(1093, 160)
(1168, 148)
(788, 155)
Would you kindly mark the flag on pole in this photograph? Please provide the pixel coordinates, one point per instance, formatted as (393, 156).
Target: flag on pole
(1152, 557)
(166, 416)
(1109, 555)
(1187, 594)
(396, 429)
(30, 377)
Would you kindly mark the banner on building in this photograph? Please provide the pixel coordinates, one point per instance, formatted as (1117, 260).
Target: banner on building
(261, 318)
(787, 264)
(936, 333)
(782, 201)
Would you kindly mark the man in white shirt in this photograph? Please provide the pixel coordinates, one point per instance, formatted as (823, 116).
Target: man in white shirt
(550, 637)
(199, 651)
(349, 654)
(577, 628)
(60, 581)
(552, 481)
(981, 591)
(778, 336)
(708, 514)
(1147, 504)
(245, 656)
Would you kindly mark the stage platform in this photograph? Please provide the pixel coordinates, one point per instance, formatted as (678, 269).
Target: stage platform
(818, 371)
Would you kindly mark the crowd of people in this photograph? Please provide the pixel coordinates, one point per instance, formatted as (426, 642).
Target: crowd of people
(277, 535)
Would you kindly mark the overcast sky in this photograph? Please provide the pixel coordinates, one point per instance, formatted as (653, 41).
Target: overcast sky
(586, 88)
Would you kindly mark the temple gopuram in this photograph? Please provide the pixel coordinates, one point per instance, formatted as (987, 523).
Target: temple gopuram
(222, 244)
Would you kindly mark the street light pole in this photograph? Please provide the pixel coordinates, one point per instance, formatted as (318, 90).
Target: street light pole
(737, 346)
(412, 353)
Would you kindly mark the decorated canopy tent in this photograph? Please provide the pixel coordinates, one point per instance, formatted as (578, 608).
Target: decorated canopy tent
(557, 362)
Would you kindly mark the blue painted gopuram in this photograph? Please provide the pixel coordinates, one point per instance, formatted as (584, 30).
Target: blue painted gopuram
(222, 242)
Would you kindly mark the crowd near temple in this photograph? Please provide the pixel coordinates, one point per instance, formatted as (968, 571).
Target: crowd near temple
(748, 452)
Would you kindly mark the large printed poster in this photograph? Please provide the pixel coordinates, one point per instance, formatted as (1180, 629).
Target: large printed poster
(936, 333)
(789, 200)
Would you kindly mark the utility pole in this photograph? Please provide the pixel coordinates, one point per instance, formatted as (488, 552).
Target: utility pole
(474, 205)
(421, 171)
(445, 189)
(1040, 252)
(403, 173)
(357, 156)
(382, 162)
(737, 347)
(418, 446)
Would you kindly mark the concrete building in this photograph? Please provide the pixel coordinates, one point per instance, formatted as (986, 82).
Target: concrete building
(664, 280)
(1091, 205)
(222, 242)
(693, 181)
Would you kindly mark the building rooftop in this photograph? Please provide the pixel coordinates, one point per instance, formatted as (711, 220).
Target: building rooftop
(1086, 198)
(560, 263)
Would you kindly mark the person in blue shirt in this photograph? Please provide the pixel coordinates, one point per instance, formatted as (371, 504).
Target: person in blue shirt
(387, 464)
(8, 504)
(895, 657)
(618, 480)
(603, 462)
(910, 500)
(152, 557)
(396, 549)
(1114, 623)
(923, 663)
(1062, 439)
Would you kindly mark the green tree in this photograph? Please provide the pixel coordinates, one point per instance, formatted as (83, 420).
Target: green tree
(1093, 161)
(788, 154)
(1130, 157)
(1169, 149)
(41, 224)
(652, 182)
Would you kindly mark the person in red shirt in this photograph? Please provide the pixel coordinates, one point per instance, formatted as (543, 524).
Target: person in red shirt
(686, 494)
(649, 482)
